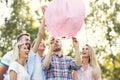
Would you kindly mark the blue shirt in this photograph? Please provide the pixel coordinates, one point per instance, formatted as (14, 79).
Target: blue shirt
(31, 65)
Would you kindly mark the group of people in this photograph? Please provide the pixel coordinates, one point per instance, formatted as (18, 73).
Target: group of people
(26, 62)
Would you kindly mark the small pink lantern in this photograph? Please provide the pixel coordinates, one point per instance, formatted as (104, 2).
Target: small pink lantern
(64, 17)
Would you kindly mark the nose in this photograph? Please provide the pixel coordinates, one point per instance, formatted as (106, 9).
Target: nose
(56, 43)
(44, 45)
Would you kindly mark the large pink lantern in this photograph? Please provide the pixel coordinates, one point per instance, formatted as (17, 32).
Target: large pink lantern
(64, 17)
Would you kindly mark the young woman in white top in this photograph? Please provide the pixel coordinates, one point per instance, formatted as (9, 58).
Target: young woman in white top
(17, 69)
(90, 69)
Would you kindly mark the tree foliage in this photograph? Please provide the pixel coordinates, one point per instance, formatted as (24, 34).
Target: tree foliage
(20, 20)
(104, 25)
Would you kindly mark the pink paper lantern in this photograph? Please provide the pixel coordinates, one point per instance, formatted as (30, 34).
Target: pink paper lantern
(64, 17)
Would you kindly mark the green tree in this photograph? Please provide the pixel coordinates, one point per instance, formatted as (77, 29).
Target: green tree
(103, 28)
(20, 20)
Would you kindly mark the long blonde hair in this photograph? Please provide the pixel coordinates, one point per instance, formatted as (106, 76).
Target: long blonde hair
(93, 62)
(16, 51)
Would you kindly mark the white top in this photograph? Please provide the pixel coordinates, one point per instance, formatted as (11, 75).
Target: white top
(20, 70)
(37, 74)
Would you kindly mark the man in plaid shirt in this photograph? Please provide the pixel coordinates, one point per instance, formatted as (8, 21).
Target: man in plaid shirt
(57, 66)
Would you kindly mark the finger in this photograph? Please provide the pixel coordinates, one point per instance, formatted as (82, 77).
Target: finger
(74, 39)
(44, 9)
(52, 40)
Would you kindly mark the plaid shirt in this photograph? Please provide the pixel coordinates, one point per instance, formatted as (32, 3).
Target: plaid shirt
(61, 68)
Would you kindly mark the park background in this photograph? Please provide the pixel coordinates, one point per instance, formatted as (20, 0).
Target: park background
(101, 29)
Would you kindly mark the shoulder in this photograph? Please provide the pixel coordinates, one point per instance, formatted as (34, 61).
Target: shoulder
(31, 53)
(14, 66)
(14, 63)
(8, 54)
(68, 58)
(6, 58)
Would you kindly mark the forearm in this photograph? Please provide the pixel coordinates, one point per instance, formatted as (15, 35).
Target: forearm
(1, 76)
(39, 37)
(77, 57)
(77, 53)
(3, 69)
(47, 59)
(41, 29)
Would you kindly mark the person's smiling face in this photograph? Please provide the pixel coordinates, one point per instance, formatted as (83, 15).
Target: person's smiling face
(85, 52)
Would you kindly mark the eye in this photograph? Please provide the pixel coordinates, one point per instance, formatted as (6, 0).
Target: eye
(25, 48)
(26, 39)
(86, 48)
(25, 43)
(57, 41)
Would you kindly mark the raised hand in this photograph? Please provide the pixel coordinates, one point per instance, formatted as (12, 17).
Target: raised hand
(44, 9)
(47, 60)
(77, 52)
(51, 43)
(75, 42)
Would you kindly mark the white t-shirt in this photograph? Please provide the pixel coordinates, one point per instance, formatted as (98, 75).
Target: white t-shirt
(20, 70)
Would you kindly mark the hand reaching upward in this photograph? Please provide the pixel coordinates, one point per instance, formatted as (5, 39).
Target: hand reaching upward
(75, 42)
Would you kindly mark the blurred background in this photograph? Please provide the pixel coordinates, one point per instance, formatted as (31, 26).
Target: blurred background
(101, 29)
